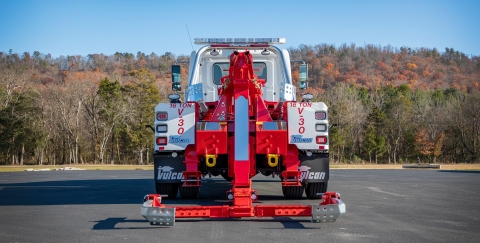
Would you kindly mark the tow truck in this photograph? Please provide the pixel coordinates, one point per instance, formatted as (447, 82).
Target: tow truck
(239, 118)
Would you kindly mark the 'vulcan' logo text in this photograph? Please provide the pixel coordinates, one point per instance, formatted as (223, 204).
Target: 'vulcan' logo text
(166, 173)
(305, 173)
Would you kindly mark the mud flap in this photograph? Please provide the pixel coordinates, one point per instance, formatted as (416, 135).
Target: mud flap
(169, 169)
(314, 168)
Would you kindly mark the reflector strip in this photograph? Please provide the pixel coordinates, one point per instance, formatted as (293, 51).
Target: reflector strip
(241, 129)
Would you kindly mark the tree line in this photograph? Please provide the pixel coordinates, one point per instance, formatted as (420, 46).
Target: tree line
(391, 105)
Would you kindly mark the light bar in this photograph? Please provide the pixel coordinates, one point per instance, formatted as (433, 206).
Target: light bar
(206, 41)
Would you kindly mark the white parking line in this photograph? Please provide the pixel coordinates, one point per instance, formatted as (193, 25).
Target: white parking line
(376, 189)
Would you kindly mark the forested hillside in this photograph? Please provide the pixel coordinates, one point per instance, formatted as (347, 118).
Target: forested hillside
(392, 105)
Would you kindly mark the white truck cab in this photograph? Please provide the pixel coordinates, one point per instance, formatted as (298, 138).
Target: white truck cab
(211, 62)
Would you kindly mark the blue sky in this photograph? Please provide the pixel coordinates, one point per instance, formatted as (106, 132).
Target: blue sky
(72, 27)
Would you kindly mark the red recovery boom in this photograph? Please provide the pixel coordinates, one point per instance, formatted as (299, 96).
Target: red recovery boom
(242, 110)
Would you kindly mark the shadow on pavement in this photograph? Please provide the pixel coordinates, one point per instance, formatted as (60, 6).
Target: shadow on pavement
(111, 191)
(461, 171)
(111, 223)
(116, 223)
(108, 191)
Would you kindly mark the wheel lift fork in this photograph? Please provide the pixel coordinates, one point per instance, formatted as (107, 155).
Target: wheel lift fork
(329, 210)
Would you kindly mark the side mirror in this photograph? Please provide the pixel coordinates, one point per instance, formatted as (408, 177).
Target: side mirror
(303, 76)
(150, 126)
(176, 78)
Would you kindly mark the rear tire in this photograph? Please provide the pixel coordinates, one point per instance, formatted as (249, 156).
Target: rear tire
(313, 188)
(169, 189)
(226, 177)
(292, 192)
(189, 192)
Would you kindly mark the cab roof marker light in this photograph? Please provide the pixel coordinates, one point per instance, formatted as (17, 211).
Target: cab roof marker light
(206, 41)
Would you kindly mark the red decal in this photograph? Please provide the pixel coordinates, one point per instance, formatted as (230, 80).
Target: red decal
(306, 104)
(180, 111)
(181, 130)
(301, 130)
(173, 105)
(301, 122)
(300, 110)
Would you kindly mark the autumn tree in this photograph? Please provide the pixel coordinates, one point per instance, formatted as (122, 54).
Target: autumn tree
(112, 112)
(370, 142)
(437, 147)
(468, 125)
(398, 109)
(380, 95)
(423, 145)
(346, 109)
(141, 96)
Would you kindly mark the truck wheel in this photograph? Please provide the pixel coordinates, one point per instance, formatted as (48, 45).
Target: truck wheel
(292, 192)
(169, 189)
(189, 192)
(313, 188)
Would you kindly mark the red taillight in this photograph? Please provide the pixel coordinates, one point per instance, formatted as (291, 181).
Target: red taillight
(321, 140)
(161, 141)
(320, 115)
(162, 116)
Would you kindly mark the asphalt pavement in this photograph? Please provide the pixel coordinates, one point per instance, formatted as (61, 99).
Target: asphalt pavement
(104, 206)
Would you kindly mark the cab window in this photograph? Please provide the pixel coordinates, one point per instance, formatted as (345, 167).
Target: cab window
(220, 69)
